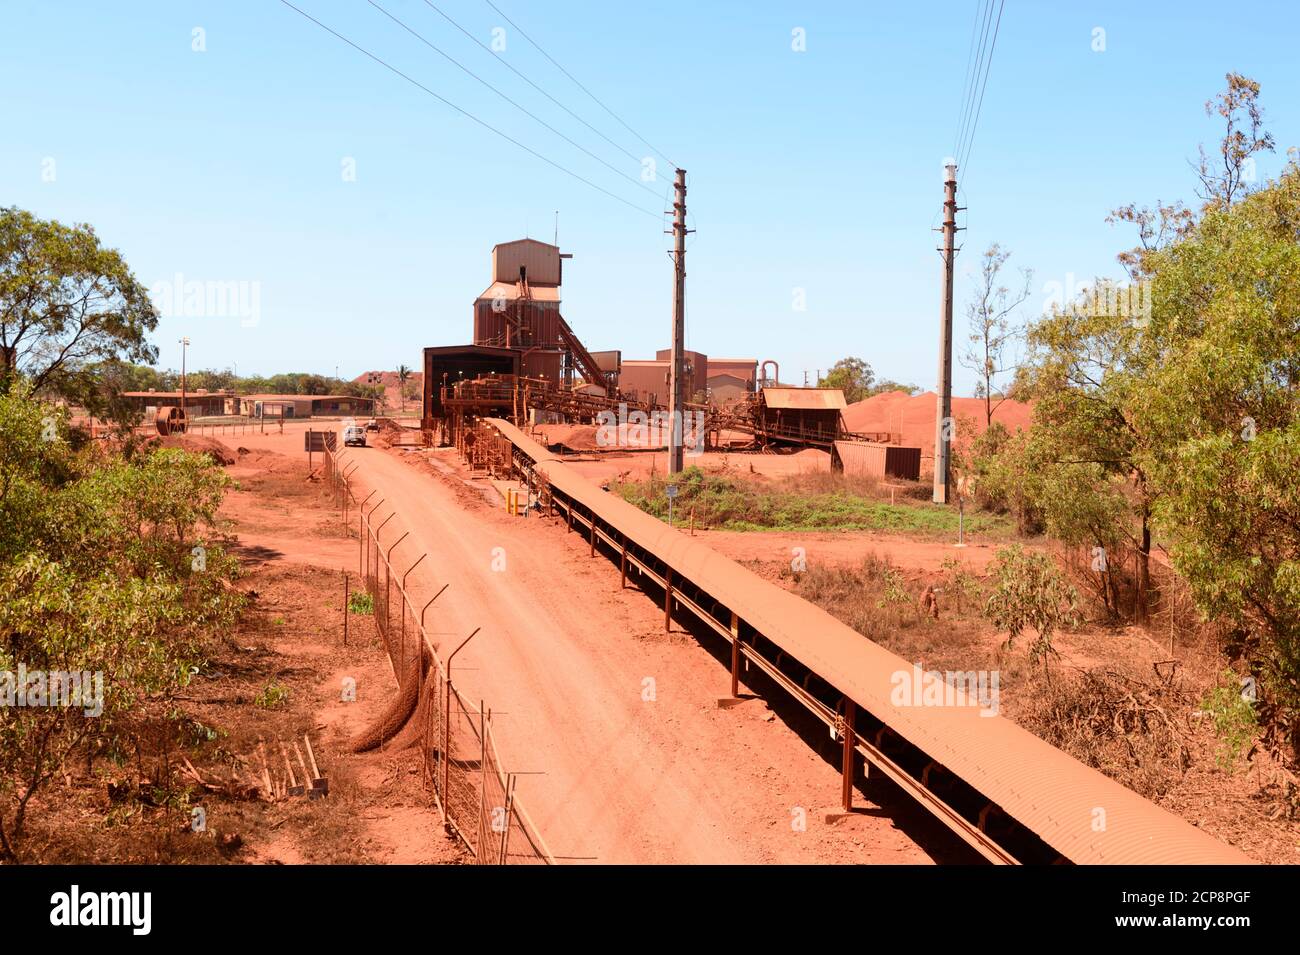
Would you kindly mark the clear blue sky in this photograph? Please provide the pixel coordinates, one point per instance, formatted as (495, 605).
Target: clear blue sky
(817, 170)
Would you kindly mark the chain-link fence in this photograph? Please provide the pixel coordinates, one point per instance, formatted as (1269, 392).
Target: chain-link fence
(459, 757)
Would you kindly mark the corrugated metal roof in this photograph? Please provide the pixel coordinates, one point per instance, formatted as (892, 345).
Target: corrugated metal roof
(177, 394)
(1042, 787)
(269, 397)
(548, 245)
(510, 291)
(811, 399)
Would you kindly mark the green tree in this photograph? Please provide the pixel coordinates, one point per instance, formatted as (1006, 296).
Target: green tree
(888, 385)
(66, 302)
(403, 376)
(1001, 474)
(1227, 177)
(1220, 409)
(1089, 364)
(107, 566)
(1029, 592)
(853, 376)
(993, 332)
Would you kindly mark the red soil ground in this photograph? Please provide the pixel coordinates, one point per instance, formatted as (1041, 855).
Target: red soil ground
(848, 548)
(564, 651)
(562, 658)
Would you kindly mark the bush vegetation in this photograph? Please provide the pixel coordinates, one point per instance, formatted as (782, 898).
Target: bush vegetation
(798, 503)
(108, 565)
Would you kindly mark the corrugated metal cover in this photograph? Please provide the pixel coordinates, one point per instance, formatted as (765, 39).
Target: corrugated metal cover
(1045, 789)
(510, 291)
(608, 360)
(859, 457)
(811, 399)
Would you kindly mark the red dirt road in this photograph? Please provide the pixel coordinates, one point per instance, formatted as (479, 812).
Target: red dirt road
(633, 761)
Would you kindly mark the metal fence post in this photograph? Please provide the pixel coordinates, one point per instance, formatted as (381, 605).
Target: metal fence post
(510, 809)
(445, 743)
(402, 588)
(388, 591)
(668, 600)
(446, 729)
(361, 521)
(482, 786)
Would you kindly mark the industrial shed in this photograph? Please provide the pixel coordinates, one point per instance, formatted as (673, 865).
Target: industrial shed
(876, 460)
(727, 389)
(521, 310)
(304, 406)
(696, 379)
(198, 404)
(746, 369)
(446, 365)
(644, 379)
(806, 415)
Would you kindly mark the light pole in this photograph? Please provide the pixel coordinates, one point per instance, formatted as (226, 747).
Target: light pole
(184, 343)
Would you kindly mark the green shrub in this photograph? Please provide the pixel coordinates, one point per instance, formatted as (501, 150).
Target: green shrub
(98, 574)
(272, 695)
(1233, 712)
(1030, 592)
(820, 501)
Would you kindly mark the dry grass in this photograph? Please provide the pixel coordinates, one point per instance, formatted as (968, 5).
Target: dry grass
(879, 601)
(1131, 729)
(1142, 725)
(1135, 731)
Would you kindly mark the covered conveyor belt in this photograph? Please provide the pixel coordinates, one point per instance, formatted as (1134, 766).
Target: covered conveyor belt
(1011, 796)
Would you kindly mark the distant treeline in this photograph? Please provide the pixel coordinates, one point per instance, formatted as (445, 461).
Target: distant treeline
(127, 377)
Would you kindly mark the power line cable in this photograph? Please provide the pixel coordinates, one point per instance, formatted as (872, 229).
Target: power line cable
(965, 91)
(525, 111)
(469, 115)
(981, 53)
(970, 142)
(506, 63)
(972, 75)
(578, 84)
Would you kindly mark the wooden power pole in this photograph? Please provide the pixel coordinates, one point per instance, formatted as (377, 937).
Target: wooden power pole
(677, 372)
(943, 423)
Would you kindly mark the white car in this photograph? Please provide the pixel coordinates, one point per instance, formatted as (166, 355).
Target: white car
(354, 436)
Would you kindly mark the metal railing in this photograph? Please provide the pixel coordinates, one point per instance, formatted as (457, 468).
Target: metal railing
(460, 763)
